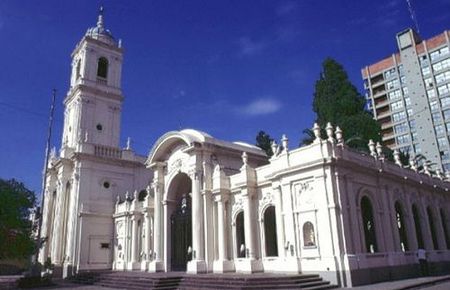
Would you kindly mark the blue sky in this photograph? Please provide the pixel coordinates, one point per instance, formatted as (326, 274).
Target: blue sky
(230, 68)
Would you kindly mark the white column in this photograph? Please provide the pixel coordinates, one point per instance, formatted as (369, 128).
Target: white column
(249, 228)
(157, 264)
(147, 245)
(197, 264)
(134, 239)
(279, 220)
(221, 228)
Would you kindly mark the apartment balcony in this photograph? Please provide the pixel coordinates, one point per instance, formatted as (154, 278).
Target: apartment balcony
(386, 125)
(387, 137)
(381, 104)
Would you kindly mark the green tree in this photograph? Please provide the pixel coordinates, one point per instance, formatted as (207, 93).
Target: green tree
(336, 100)
(16, 201)
(264, 141)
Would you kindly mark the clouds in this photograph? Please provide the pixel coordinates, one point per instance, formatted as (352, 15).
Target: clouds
(262, 106)
(248, 47)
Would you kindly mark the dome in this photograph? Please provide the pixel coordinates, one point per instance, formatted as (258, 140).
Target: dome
(99, 32)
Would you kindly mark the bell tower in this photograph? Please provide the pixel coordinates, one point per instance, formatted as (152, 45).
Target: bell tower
(94, 102)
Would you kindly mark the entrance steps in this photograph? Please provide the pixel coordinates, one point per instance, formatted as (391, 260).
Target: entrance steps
(180, 280)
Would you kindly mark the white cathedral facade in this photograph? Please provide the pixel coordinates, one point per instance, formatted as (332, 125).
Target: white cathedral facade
(201, 205)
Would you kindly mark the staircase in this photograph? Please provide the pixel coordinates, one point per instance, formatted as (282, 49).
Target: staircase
(180, 280)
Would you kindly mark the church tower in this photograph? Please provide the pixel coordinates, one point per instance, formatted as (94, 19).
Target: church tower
(92, 171)
(94, 101)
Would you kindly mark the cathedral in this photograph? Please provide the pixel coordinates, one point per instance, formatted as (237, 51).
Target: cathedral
(202, 205)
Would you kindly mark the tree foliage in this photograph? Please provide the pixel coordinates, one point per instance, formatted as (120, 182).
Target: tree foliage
(336, 100)
(16, 201)
(264, 141)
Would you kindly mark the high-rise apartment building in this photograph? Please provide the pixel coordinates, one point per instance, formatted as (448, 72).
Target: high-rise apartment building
(409, 94)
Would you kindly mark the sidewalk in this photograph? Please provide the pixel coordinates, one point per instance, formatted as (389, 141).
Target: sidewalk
(414, 283)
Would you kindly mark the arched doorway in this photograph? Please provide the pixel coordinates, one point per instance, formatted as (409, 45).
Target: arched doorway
(270, 232)
(180, 222)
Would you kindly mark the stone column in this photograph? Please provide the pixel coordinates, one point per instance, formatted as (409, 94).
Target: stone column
(156, 265)
(197, 264)
(279, 219)
(222, 264)
(249, 227)
(148, 232)
(222, 246)
(134, 239)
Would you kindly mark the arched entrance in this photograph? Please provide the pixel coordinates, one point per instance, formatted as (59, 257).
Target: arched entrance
(180, 222)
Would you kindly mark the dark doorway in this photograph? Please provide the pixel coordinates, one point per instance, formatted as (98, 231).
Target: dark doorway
(240, 235)
(270, 232)
(181, 233)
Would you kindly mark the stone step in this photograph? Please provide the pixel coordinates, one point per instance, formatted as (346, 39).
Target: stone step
(142, 280)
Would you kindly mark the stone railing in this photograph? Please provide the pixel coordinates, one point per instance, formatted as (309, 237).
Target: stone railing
(108, 152)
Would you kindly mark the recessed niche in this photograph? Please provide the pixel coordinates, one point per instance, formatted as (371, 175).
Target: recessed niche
(106, 184)
(99, 127)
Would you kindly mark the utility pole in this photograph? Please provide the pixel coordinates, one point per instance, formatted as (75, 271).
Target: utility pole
(44, 177)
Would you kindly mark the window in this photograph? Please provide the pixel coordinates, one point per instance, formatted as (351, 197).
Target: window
(401, 227)
(444, 89)
(414, 137)
(441, 64)
(417, 148)
(309, 238)
(402, 80)
(401, 128)
(102, 68)
(412, 125)
(407, 102)
(270, 232)
(418, 227)
(445, 227)
(400, 68)
(431, 93)
(368, 225)
(440, 129)
(445, 155)
(426, 70)
(432, 228)
(410, 112)
(396, 105)
(399, 116)
(392, 84)
(448, 126)
(442, 142)
(428, 83)
(390, 73)
(438, 53)
(394, 95)
(78, 69)
(436, 116)
(240, 235)
(99, 127)
(106, 184)
(405, 90)
(434, 105)
(446, 114)
(402, 139)
(405, 149)
(443, 77)
(445, 102)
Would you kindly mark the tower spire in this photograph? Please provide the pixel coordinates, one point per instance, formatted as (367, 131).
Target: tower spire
(100, 17)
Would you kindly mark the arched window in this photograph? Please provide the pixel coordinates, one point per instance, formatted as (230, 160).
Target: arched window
(78, 69)
(401, 227)
(445, 227)
(309, 238)
(240, 235)
(368, 225)
(102, 68)
(432, 229)
(270, 232)
(418, 227)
